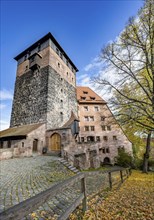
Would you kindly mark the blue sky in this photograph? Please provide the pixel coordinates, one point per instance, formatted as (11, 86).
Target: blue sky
(82, 28)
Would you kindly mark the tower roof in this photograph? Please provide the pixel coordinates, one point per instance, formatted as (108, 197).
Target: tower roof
(87, 95)
(42, 40)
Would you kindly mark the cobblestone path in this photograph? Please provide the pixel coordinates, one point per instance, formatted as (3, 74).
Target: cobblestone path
(23, 178)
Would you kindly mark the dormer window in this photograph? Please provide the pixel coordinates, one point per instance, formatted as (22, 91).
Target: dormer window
(39, 48)
(61, 55)
(83, 98)
(85, 92)
(67, 62)
(92, 98)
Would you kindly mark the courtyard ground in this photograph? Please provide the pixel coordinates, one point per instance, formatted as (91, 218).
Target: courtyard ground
(22, 178)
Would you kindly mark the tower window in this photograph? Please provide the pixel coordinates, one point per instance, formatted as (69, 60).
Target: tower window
(57, 51)
(61, 55)
(61, 103)
(61, 116)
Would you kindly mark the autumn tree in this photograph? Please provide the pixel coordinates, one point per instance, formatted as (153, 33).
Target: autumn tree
(130, 58)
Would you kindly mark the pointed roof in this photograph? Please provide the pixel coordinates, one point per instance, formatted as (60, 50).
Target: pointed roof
(71, 120)
(87, 95)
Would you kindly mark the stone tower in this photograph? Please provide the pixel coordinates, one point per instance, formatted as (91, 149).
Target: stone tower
(45, 87)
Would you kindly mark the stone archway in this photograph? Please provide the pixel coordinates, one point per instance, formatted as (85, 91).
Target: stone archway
(106, 160)
(55, 142)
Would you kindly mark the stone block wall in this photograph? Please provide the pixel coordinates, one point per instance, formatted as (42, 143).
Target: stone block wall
(30, 98)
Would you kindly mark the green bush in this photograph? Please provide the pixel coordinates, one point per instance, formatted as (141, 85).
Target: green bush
(124, 159)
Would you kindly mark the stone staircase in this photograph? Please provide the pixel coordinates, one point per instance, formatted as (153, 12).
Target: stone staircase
(70, 167)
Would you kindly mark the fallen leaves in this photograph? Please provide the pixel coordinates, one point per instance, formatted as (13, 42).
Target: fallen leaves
(134, 200)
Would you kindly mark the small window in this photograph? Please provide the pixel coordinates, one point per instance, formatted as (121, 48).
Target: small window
(83, 98)
(22, 144)
(91, 118)
(67, 63)
(105, 138)
(114, 138)
(102, 118)
(103, 127)
(72, 79)
(92, 98)
(86, 128)
(92, 128)
(25, 57)
(107, 150)
(61, 90)
(86, 108)
(103, 150)
(85, 92)
(82, 139)
(67, 74)
(96, 108)
(109, 128)
(57, 51)
(61, 79)
(97, 138)
(61, 116)
(9, 144)
(90, 138)
(61, 103)
(86, 118)
(61, 55)
(59, 65)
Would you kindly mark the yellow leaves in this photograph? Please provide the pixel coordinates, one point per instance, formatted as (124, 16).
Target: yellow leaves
(134, 201)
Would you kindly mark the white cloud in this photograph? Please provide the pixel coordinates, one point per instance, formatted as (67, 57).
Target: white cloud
(4, 124)
(2, 106)
(96, 62)
(6, 94)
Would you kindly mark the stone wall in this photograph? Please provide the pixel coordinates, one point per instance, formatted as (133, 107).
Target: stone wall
(30, 98)
(43, 96)
(61, 100)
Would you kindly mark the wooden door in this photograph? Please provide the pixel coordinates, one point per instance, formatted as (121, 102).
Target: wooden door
(35, 143)
(55, 142)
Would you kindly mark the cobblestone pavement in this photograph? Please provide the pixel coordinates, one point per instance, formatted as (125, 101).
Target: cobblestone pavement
(23, 178)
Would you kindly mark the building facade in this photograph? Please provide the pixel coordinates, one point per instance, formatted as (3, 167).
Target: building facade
(48, 110)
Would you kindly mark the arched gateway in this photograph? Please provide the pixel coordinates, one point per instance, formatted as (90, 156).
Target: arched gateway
(55, 142)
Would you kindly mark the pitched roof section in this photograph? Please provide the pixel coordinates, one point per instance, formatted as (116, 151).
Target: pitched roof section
(42, 40)
(19, 131)
(87, 95)
(71, 120)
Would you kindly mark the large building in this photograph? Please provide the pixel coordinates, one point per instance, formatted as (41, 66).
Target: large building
(50, 114)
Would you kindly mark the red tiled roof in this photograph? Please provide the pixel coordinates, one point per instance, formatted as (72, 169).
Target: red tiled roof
(87, 95)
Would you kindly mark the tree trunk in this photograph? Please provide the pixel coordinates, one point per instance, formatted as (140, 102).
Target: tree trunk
(146, 155)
